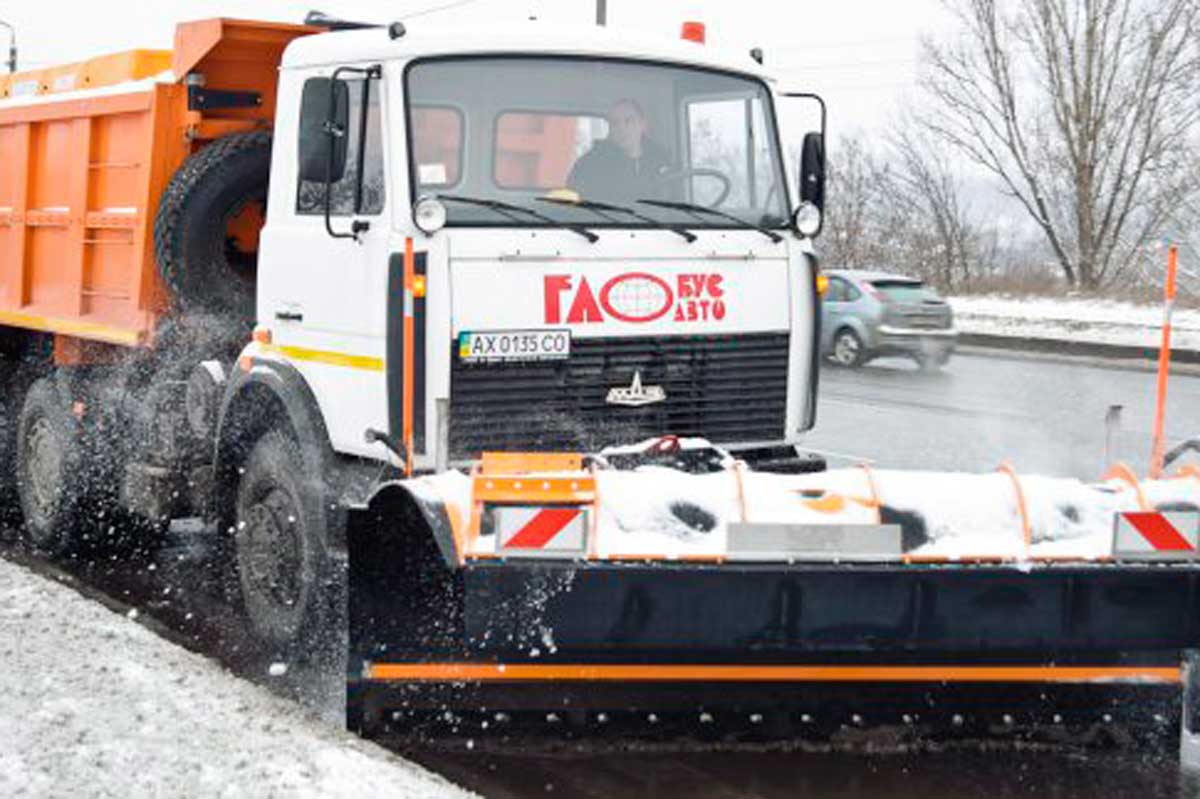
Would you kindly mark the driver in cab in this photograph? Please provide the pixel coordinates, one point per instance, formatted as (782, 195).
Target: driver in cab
(627, 165)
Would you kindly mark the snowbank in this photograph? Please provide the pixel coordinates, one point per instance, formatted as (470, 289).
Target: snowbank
(94, 705)
(1091, 321)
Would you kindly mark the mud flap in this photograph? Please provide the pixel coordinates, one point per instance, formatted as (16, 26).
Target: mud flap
(404, 595)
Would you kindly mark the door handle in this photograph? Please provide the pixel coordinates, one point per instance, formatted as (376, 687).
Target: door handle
(289, 316)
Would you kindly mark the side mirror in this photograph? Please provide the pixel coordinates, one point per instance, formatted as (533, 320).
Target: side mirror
(324, 125)
(812, 170)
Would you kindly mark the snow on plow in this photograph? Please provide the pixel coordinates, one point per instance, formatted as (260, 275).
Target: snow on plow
(552, 507)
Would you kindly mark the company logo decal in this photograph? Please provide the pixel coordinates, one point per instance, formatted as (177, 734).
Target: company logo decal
(634, 298)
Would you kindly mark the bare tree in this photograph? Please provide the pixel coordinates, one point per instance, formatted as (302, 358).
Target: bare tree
(1083, 109)
(941, 237)
(860, 228)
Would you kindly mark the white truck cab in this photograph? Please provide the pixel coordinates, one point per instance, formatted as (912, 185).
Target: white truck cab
(535, 239)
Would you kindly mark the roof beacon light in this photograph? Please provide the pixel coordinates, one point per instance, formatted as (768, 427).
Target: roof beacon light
(693, 32)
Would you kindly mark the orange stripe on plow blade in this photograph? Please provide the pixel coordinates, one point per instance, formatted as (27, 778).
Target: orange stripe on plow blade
(527, 672)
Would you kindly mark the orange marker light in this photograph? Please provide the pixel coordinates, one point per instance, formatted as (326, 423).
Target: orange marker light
(419, 286)
(693, 32)
(822, 285)
(262, 335)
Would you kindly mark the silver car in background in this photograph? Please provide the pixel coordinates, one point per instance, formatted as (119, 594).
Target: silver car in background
(867, 315)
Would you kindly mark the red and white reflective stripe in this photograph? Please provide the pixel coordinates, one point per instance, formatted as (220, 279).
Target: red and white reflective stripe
(1162, 534)
(541, 529)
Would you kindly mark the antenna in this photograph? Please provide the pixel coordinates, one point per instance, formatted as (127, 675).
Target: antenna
(12, 45)
(322, 20)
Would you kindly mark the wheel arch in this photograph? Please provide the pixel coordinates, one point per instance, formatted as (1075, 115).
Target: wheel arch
(416, 513)
(405, 584)
(860, 328)
(269, 395)
(855, 326)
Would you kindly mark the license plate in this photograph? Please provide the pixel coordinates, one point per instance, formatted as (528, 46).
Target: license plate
(514, 345)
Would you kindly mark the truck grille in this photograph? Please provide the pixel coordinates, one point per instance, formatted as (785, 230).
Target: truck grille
(725, 388)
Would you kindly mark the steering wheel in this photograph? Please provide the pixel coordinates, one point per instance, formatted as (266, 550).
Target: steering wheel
(701, 172)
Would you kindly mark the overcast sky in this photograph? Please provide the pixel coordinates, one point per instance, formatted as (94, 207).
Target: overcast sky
(860, 54)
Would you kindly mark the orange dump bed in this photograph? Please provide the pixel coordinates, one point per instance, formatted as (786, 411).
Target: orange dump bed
(85, 152)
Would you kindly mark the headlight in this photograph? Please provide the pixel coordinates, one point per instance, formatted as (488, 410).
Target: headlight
(429, 215)
(807, 220)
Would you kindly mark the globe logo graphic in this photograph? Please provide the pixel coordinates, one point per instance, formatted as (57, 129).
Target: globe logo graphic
(637, 297)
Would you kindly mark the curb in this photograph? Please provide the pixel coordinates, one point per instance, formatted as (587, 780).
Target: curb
(1135, 356)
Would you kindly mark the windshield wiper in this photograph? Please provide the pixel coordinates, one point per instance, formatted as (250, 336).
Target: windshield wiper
(600, 208)
(510, 210)
(697, 210)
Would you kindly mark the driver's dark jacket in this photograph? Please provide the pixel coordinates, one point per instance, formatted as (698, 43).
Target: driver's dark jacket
(606, 173)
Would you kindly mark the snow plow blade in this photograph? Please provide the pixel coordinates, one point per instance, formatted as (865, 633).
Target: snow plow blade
(525, 634)
(784, 609)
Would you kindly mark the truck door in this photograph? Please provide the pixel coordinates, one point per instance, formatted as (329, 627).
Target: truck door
(317, 290)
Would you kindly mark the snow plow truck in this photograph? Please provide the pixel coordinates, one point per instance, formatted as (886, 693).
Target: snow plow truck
(494, 349)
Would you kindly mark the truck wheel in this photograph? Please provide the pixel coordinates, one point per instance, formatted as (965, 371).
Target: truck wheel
(206, 228)
(50, 476)
(848, 349)
(279, 543)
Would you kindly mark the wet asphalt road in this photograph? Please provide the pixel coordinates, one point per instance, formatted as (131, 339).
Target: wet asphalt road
(1044, 416)
(983, 773)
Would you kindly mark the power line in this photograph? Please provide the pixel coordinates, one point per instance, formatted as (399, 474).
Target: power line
(436, 9)
(865, 87)
(890, 62)
(840, 45)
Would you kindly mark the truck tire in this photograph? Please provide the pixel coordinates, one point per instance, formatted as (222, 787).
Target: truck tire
(205, 236)
(279, 542)
(51, 475)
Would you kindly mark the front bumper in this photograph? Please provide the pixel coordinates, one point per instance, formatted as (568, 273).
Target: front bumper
(915, 341)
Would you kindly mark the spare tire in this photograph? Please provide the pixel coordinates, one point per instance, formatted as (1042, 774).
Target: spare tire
(206, 229)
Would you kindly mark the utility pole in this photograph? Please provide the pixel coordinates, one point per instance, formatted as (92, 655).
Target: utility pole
(12, 45)
(601, 12)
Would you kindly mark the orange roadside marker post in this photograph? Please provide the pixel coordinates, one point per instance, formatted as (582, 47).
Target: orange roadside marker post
(1164, 366)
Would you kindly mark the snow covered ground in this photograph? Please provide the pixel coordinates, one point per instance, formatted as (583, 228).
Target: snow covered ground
(94, 705)
(1084, 320)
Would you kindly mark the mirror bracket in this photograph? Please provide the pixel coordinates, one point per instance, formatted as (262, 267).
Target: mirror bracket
(334, 130)
(811, 180)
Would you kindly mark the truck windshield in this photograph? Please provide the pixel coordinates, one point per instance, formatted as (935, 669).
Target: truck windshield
(517, 129)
